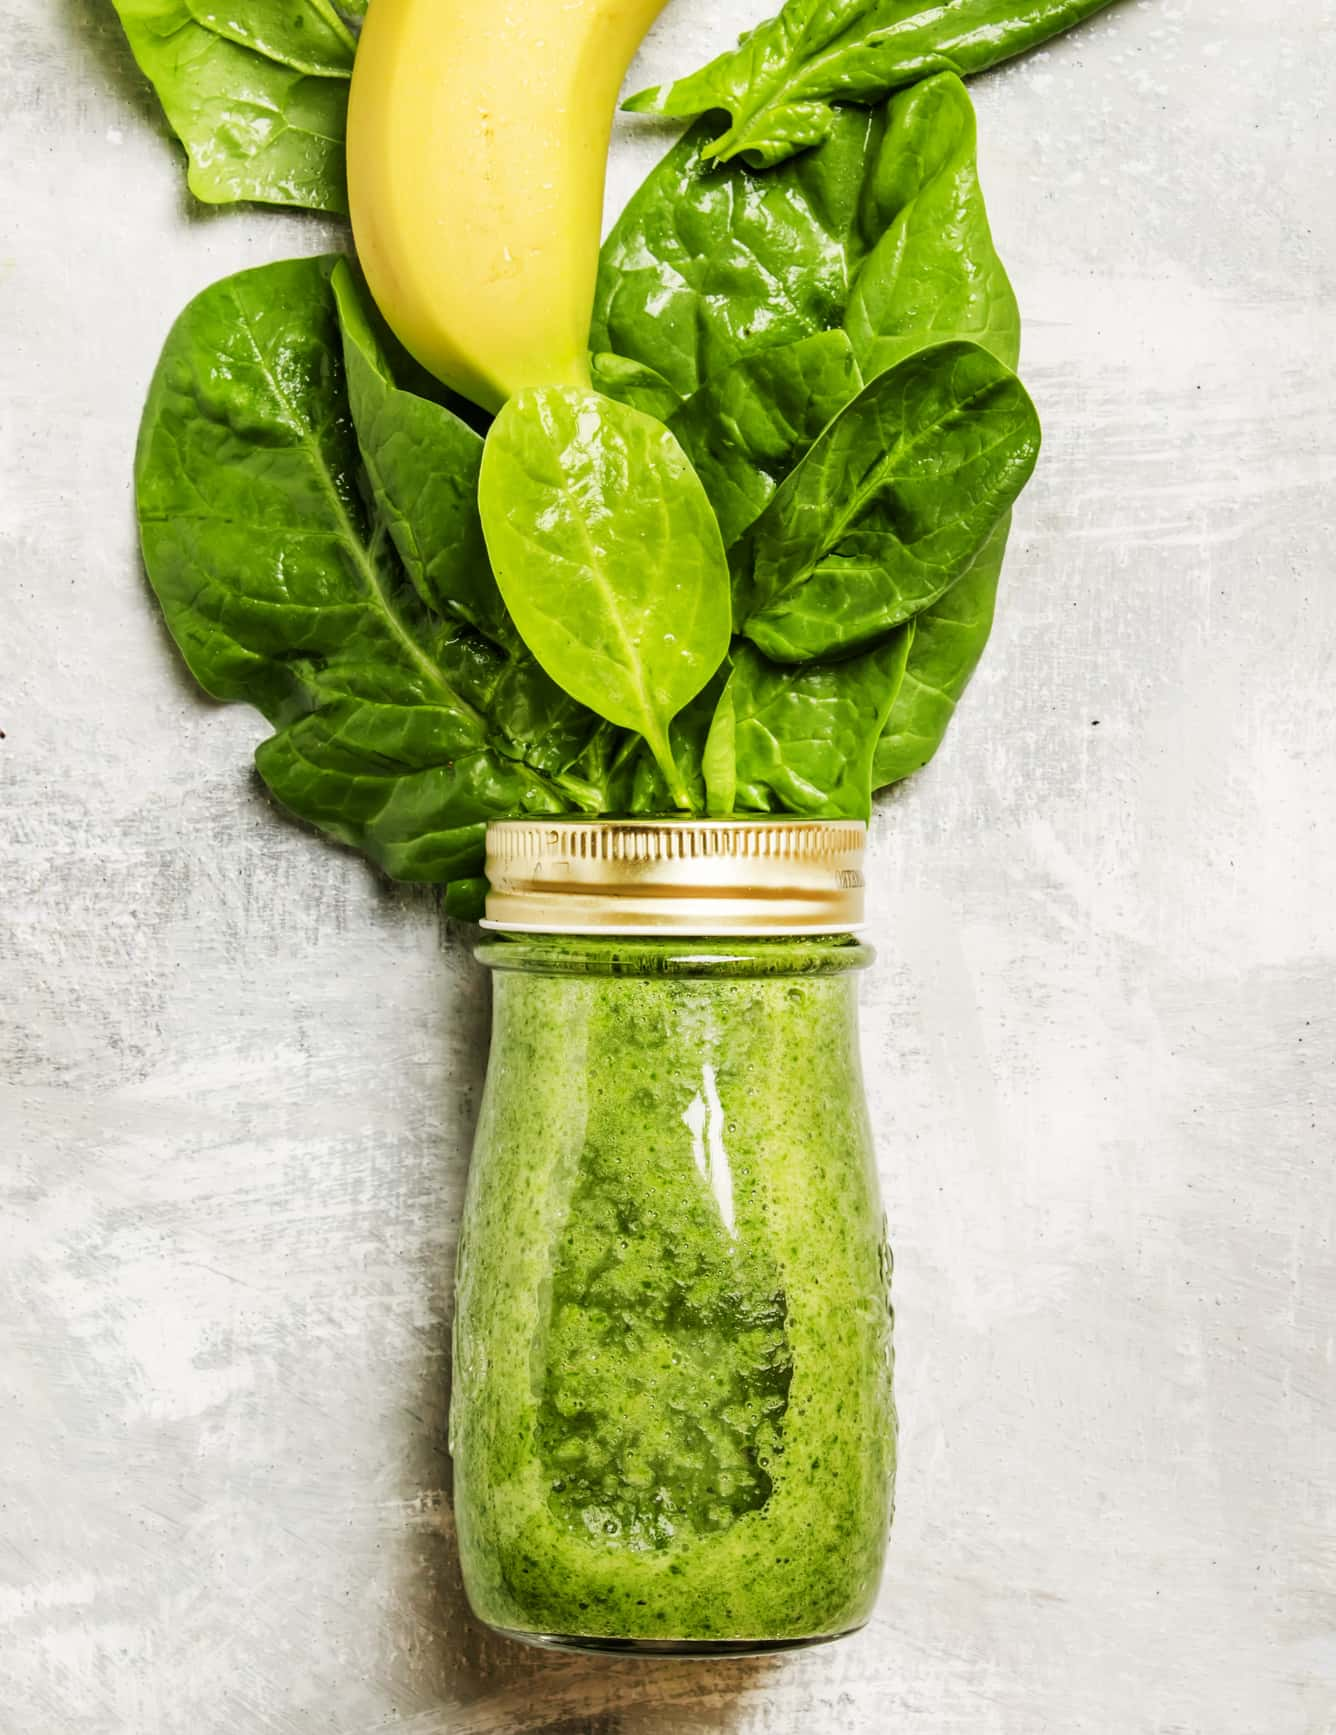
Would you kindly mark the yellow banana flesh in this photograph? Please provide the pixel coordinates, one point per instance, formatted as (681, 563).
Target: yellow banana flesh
(477, 149)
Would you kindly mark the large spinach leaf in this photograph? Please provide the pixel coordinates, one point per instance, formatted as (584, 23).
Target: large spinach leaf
(801, 740)
(280, 582)
(422, 465)
(748, 425)
(608, 556)
(881, 231)
(781, 82)
(889, 507)
(256, 92)
(949, 639)
(927, 269)
(705, 266)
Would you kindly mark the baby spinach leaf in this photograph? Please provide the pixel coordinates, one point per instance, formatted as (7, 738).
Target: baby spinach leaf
(422, 462)
(929, 271)
(889, 507)
(634, 383)
(649, 791)
(801, 740)
(881, 230)
(282, 586)
(608, 556)
(310, 35)
(949, 639)
(704, 266)
(256, 93)
(747, 426)
(781, 82)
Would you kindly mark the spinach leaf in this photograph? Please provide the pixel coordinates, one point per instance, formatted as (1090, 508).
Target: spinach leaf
(649, 791)
(608, 556)
(705, 266)
(801, 740)
(889, 507)
(422, 461)
(928, 269)
(634, 383)
(781, 82)
(256, 93)
(949, 639)
(310, 35)
(280, 582)
(881, 230)
(747, 426)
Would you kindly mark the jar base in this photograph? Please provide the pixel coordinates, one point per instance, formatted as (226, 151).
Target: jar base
(598, 1646)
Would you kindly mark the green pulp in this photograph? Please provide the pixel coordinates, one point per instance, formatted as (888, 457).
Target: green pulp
(672, 1414)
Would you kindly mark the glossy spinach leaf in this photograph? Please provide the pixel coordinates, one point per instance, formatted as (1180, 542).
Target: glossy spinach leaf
(801, 739)
(311, 35)
(421, 462)
(634, 383)
(881, 231)
(648, 791)
(928, 271)
(256, 93)
(707, 265)
(280, 582)
(608, 556)
(949, 639)
(748, 425)
(889, 507)
(780, 85)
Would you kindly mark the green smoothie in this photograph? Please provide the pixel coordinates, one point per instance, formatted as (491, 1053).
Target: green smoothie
(672, 1414)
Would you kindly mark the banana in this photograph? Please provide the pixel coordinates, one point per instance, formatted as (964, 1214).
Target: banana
(477, 148)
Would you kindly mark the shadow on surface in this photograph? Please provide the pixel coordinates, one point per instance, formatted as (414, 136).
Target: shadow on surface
(96, 27)
(465, 1679)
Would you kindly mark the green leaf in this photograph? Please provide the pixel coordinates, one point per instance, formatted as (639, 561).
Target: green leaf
(929, 271)
(747, 426)
(632, 382)
(801, 740)
(257, 94)
(422, 461)
(284, 590)
(881, 231)
(889, 507)
(422, 465)
(466, 900)
(649, 791)
(608, 556)
(781, 82)
(310, 35)
(707, 265)
(949, 639)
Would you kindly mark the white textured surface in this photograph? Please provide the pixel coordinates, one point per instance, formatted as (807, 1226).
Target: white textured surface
(239, 1071)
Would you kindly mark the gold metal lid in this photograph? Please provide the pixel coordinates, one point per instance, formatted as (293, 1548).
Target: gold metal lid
(705, 877)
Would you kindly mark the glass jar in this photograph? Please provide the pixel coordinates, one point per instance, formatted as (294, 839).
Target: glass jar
(672, 1423)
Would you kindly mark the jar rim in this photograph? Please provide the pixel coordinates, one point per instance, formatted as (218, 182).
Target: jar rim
(710, 878)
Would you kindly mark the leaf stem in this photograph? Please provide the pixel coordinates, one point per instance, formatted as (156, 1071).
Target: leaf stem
(661, 748)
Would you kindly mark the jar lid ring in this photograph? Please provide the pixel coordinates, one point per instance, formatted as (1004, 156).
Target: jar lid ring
(709, 878)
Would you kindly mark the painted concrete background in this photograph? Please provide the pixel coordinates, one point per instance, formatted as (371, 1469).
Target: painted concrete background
(239, 1071)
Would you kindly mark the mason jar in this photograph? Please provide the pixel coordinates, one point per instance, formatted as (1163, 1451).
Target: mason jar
(672, 1423)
